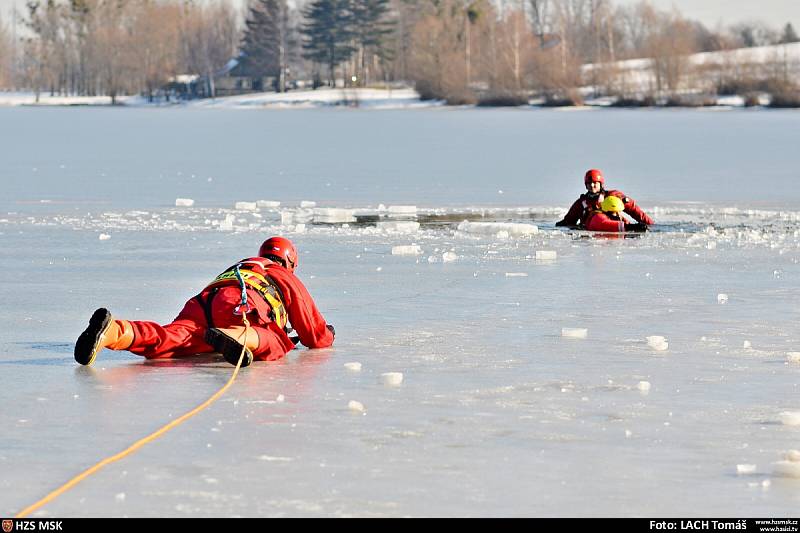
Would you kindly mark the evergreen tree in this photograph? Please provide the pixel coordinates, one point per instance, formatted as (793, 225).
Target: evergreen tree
(371, 29)
(329, 34)
(261, 44)
(789, 35)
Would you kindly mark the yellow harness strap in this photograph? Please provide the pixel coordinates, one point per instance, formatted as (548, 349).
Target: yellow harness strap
(263, 286)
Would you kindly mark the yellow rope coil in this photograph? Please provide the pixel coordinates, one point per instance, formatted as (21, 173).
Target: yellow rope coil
(138, 444)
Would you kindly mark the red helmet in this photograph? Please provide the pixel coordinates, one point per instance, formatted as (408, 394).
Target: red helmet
(592, 176)
(282, 249)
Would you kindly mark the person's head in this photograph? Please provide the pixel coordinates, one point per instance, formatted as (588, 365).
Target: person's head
(594, 181)
(612, 205)
(280, 250)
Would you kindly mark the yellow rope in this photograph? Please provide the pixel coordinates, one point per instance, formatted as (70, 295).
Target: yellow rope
(138, 444)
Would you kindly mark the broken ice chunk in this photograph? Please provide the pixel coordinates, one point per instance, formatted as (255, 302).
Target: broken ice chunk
(793, 357)
(722, 298)
(353, 367)
(745, 469)
(449, 257)
(746, 345)
(657, 342)
(245, 206)
(398, 227)
(412, 249)
(267, 203)
(790, 418)
(104, 236)
(331, 215)
(575, 333)
(356, 407)
(307, 204)
(546, 255)
(643, 386)
(402, 210)
(787, 468)
(392, 379)
(184, 202)
(516, 275)
(492, 228)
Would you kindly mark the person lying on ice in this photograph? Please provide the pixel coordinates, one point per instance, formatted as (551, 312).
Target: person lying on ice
(588, 203)
(212, 320)
(611, 220)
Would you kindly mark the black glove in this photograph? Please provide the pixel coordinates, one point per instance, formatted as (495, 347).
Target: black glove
(331, 329)
(640, 227)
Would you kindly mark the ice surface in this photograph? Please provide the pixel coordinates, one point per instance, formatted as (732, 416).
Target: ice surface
(575, 333)
(503, 416)
(516, 275)
(184, 202)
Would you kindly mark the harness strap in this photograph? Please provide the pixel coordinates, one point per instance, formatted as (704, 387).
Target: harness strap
(206, 305)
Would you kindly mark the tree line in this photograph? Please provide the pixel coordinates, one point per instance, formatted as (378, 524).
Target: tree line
(462, 51)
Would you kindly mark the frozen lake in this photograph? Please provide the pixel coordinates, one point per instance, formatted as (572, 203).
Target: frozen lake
(498, 413)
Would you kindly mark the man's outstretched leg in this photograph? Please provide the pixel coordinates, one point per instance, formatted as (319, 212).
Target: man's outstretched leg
(103, 332)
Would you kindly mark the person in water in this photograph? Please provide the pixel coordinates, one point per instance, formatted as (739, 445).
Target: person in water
(591, 201)
(611, 219)
(212, 320)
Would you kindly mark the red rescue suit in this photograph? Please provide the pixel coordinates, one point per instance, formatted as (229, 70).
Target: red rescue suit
(585, 206)
(600, 221)
(215, 306)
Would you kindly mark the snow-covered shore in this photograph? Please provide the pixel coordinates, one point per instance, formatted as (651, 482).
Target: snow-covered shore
(370, 98)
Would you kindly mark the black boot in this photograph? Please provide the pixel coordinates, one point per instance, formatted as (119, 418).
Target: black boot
(229, 347)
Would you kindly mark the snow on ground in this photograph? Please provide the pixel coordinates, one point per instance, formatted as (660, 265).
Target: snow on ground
(368, 98)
